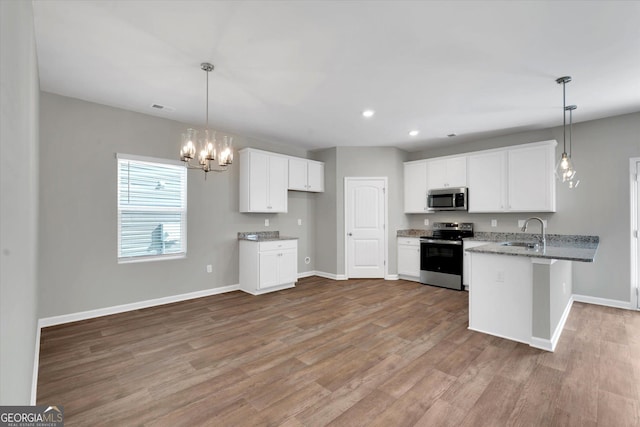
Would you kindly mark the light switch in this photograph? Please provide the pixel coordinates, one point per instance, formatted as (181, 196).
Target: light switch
(299, 221)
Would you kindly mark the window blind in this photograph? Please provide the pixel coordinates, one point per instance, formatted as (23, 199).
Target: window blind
(152, 209)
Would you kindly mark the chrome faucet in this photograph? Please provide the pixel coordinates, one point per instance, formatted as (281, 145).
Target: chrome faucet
(543, 239)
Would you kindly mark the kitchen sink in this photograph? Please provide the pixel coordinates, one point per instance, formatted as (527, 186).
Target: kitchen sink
(528, 245)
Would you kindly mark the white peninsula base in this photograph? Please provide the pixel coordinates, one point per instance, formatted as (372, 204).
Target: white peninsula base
(520, 298)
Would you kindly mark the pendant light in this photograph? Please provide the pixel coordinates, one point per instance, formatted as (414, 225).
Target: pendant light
(573, 180)
(565, 170)
(207, 149)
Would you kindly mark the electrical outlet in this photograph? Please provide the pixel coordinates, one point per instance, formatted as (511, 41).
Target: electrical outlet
(426, 221)
(266, 222)
(299, 221)
(209, 268)
(494, 222)
(521, 223)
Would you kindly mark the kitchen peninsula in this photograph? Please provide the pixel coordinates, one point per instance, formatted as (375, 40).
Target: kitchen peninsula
(521, 291)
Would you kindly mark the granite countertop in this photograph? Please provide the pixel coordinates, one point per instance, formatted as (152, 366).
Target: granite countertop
(559, 246)
(413, 232)
(263, 236)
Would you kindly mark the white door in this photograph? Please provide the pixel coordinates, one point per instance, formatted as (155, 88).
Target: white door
(365, 218)
(637, 236)
(635, 230)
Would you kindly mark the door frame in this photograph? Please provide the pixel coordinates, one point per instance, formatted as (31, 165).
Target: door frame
(385, 181)
(634, 215)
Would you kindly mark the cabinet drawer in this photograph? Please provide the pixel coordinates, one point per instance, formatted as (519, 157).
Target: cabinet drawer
(278, 244)
(409, 241)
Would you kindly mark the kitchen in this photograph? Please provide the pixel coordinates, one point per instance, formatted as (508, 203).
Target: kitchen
(600, 206)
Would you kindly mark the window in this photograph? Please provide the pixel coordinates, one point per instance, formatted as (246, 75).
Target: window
(152, 209)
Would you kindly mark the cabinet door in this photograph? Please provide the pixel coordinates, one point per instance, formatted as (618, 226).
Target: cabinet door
(409, 260)
(288, 266)
(268, 269)
(298, 174)
(258, 182)
(415, 187)
(456, 172)
(277, 187)
(531, 186)
(437, 173)
(315, 176)
(487, 182)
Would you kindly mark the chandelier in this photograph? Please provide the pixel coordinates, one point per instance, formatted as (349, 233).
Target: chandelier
(565, 169)
(206, 147)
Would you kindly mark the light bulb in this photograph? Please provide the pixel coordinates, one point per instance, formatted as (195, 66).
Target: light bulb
(564, 163)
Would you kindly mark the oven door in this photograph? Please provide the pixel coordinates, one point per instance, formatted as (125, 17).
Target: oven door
(441, 263)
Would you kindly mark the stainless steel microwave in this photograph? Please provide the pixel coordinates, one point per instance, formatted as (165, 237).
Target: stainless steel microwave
(447, 199)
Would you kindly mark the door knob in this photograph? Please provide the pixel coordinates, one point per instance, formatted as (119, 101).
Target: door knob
(349, 234)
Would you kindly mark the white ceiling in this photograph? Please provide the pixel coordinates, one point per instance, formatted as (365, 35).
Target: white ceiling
(301, 72)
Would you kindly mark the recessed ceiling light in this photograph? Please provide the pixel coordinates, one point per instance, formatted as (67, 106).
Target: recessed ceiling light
(451, 135)
(368, 113)
(414, 132)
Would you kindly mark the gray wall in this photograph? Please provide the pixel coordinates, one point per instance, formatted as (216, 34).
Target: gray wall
(78, 264)
(326, 215)
(19, 89)
(358, 162)
(599, 206)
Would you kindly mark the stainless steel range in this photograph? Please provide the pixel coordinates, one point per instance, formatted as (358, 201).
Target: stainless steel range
(441, 256)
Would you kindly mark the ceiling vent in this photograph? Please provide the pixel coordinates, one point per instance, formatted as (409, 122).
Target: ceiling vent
(163, 107)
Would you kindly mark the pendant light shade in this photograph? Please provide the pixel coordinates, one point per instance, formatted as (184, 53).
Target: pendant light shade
(565, 169)
(204, 144)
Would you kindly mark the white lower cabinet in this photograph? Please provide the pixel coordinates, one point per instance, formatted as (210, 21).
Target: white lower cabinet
(268, 266)
(409, 258)
(466, 259)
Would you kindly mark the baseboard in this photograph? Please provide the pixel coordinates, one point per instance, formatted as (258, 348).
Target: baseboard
(269, 290)
(497, 335)
(391, 277)
(306, 274)
(603, 301)
(560, 327)
(550, 344)
(90, 314)
(36, 366)
(330, 275)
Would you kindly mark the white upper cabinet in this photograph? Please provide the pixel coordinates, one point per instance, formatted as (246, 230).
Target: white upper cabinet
(531, 179)
(487, 181)
(415, 187)
(513, 179)
(447, 172)
(306, 175)
(263, 181)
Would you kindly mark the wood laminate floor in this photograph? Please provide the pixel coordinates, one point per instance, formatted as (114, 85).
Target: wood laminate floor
(347, 353)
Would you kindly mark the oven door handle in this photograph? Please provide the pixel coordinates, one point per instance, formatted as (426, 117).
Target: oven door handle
(443, 242)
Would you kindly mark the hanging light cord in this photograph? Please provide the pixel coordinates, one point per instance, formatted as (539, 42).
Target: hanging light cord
(564, 118)
(207, 107)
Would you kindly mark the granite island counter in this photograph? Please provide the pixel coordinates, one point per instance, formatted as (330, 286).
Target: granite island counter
(521, 293)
